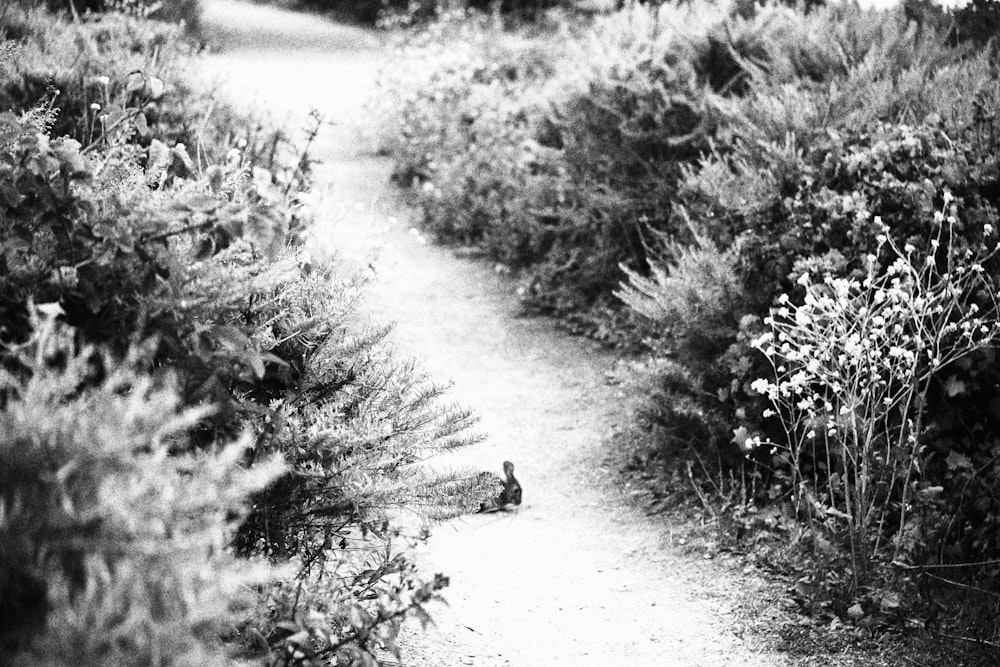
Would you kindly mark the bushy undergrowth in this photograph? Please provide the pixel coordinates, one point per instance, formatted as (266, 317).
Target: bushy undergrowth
(113, 526)
(391, 14)
(894, 144)
(717, 153)
(124, 510)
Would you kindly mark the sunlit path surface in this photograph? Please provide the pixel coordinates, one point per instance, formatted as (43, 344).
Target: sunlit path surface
(574, 578)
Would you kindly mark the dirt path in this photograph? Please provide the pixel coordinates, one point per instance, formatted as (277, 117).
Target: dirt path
(575, 577)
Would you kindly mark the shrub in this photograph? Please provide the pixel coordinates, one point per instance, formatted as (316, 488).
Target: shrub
(563, 171)
(113, 542)
(129, 240)
(855, 364)
(95, 74)
(187, 12)
(399, 13)
(800, 171)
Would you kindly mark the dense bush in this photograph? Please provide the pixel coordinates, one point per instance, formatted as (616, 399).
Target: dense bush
(560, 155)
(799, 188)
(187, 12)
(89, 72)
(396, 13)
(719, 153)
(113, 532)
(116, 230)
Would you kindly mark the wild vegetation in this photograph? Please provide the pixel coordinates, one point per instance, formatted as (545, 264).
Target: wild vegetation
(200, 443)
(790, 215)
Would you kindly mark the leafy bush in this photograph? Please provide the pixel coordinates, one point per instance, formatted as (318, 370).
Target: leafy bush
(97, 75)
(855, 365)
(112, 540)
(129, 239)
(399, 13)
(562, 170)
(187, 12)
(791, 188)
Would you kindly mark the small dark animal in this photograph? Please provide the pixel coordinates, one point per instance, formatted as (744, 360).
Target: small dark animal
(510, 494)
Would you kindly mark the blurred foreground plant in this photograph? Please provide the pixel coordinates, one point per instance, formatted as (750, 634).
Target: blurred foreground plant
(110, 538)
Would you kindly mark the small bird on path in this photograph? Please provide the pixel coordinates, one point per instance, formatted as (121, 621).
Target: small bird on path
(510, 494)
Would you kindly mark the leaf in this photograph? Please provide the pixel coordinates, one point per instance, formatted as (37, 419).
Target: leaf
(290, 626)
(958, 461)
(142, 125)
(889, 602)
(231, 338)
(268, 229)
(356, 617)
(256, 364)
(422, 616)
(50, 310)
(135, 81)
(156, 87)
(855, 612)
(953, 386)
(180, 152)
(70, 159)
(9, 195)
(112, 116)
(274, 359)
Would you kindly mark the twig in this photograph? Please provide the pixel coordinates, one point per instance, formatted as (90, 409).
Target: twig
(970, 640)
(967, 587)
(906, 566)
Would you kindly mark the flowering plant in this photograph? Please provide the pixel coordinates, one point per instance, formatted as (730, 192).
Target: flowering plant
(853, 367)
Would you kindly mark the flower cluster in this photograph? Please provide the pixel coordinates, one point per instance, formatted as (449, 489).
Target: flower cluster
(854, 361)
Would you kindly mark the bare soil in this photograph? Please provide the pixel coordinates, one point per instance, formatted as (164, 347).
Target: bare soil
(577, 576)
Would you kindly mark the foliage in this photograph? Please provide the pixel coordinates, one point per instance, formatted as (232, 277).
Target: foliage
(877, 119)
(565, 159)
(405, 13)
(716, 153)
(94, 75)
(187, 12)
(128, 238)
(112, 539)
(855, 364)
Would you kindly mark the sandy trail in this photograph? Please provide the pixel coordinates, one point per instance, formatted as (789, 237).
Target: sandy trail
(575, 577)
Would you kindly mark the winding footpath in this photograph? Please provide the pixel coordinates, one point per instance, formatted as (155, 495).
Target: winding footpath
(575, 577)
